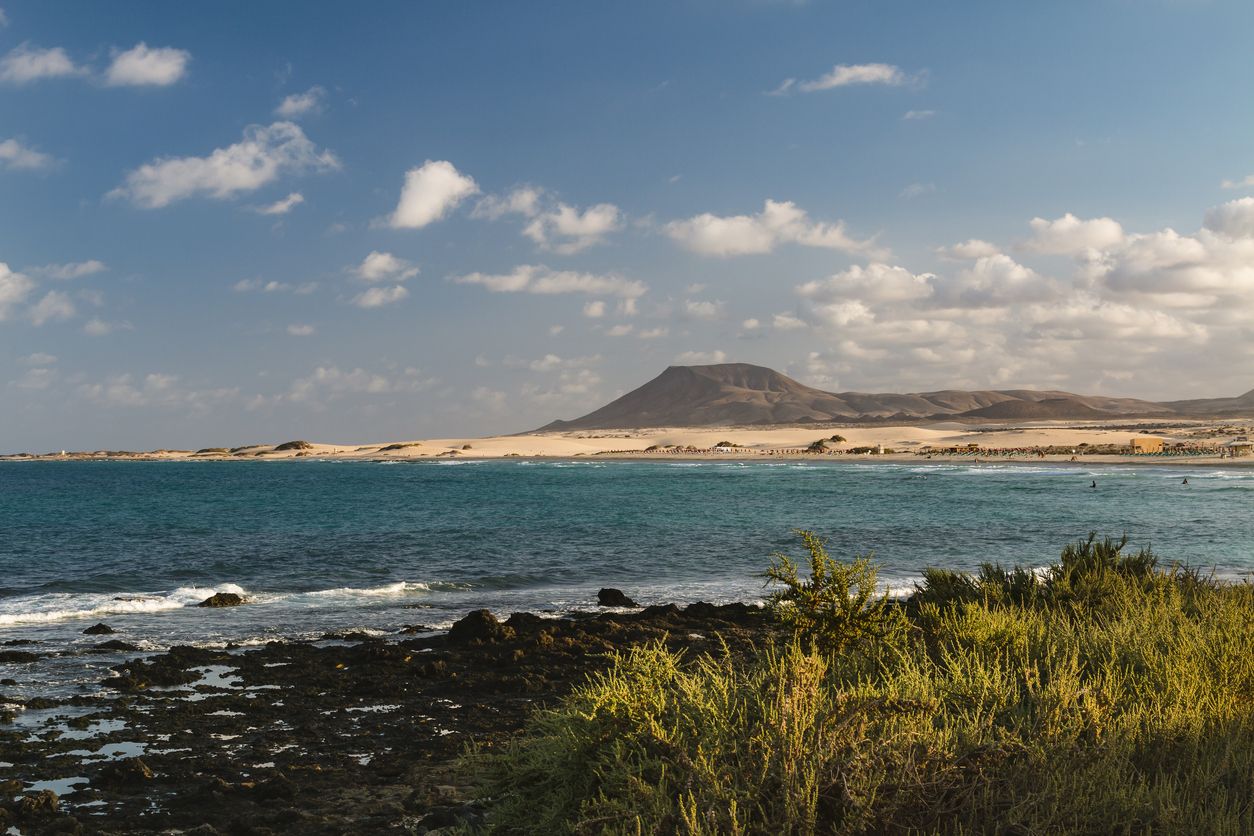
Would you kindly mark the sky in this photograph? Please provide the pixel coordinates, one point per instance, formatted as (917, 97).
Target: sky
(237, 223)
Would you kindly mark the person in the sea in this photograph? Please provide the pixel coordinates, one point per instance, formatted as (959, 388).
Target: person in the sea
(1094, 485)
(1186, 481)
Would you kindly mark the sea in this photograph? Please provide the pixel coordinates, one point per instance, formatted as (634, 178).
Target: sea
(327, 547)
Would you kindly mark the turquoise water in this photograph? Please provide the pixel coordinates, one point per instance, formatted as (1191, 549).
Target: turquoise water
(322, 546)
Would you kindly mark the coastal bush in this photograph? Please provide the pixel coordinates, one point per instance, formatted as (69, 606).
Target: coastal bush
(839, 606)
(1101, 695)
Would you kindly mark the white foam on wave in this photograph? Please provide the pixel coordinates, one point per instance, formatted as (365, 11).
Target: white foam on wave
(66, 606)
(391, 590)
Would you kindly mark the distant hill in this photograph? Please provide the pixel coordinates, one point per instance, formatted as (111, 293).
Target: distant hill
(740, 394)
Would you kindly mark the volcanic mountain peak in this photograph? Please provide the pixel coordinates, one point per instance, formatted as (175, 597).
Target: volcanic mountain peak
(743, 394)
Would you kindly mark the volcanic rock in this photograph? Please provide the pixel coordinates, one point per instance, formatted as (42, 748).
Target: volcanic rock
(222, 599)
(610, 597)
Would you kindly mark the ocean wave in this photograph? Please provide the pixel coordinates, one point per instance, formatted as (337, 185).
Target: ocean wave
(391, 590)
(61, 606)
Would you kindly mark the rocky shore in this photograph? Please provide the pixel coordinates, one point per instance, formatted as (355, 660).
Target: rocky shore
(354, 733)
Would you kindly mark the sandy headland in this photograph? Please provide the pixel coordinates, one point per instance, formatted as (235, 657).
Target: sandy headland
(1212, 442)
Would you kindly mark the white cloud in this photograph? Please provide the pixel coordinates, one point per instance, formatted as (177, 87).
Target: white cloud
(27, 63)
(996, 280)
(71, 270)
(877, 282)
(540, 280)
(846, 75)
(652, 333)
(594, 309)
(301, 330)
(377, 297)
(558, 227)
(1243, 183)
(96, 327)
(15, 155)
(301, 104)
(380, 267)
(700, 358)
(622, 330)
(970, 249)
(36, 379)
(751, 324)
(1070, 235)
(153, 390)
(55, 306)
(145, 66)
(566, 230)
(491, 399)
(917, 115)
(282, 206)
(263, 155)
(39, 358)
(431, 191)
(330, 382)
(704, 309)
(916, 190)
(553, 362)
(778, 222)
(787, 322)
(4, 20)
(259, 286)
(524, 200)
(1234, 219)
(14, 288)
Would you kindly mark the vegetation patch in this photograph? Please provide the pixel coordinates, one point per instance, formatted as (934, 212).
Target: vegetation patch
(1106, 694)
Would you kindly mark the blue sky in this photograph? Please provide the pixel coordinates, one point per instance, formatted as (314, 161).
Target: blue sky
(242, 222)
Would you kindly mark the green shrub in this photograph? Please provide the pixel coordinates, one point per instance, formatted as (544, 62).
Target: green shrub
(839, 606)
(1010, 713)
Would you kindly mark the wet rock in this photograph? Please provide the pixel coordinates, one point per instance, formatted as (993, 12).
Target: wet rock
(16, 657)
(278, 787)
(100, 629)
(479, 625)
(17, 643)
(222, 599)
(115, 644)
(8, 681)
(660, 611)
(525, 622)
(42, 803)
(131, 772)
(610, 597)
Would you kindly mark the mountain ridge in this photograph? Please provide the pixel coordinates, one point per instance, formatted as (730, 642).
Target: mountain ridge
(739, 394)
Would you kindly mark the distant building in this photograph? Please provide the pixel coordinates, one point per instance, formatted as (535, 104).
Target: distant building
(1239, 447)
(1147, 444)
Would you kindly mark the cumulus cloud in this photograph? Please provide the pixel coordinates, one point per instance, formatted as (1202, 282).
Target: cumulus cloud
(704, 309)
(621, 330)
(328, 383)
(1243, 183)
(297, 105)
(27, 63)
(594, 309)
(917, 115)
(17, 156)
(384, 267)
(377, 297)
(1234, 219)
(260, 286)
(97, 327)
(554, 226)
(145, 66)
(283, 205)
(14, 288)
(847, 75)
(779, 222)
(430, 192)
(297, 330)
(787, 322)
(266, 153)
(39, 358)
(970, 249)
(1070, 235)
(540, 280)
(916, 190)
(55, 306)
(69, 271)
(877, 282)
(153, 390)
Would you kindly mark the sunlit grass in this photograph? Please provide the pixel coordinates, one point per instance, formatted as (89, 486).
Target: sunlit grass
(1103, 696)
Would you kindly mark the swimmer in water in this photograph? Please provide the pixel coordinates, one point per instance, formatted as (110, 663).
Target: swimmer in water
(1094, 485)
(1186, 481)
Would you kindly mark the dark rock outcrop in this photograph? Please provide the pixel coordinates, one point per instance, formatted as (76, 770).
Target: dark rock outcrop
(479, 625)
(131, 772)
(222, 599)
(101, 629)
(610, 597)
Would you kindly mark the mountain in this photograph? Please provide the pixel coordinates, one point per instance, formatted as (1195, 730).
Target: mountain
(741, 394)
